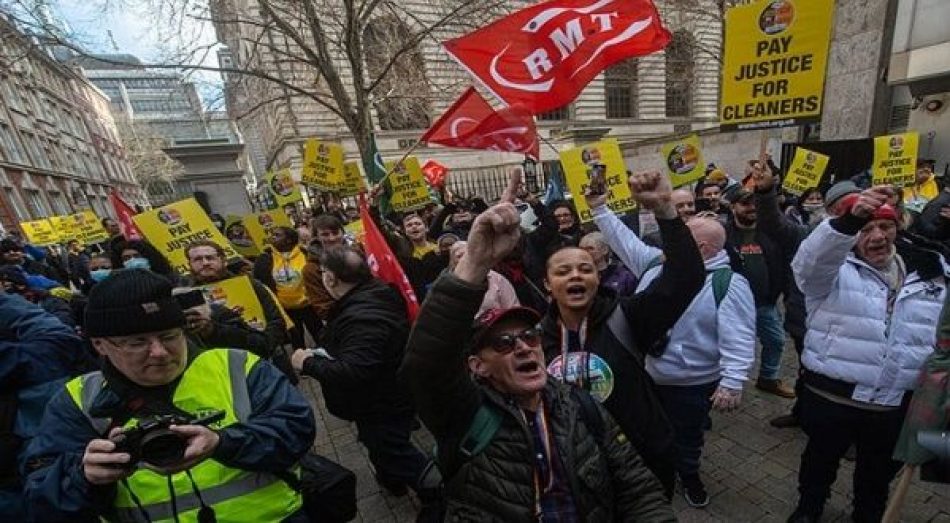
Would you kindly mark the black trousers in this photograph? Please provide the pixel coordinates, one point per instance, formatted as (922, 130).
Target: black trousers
(831, 429)
(799, 342)
(391, 451)
(304, 317)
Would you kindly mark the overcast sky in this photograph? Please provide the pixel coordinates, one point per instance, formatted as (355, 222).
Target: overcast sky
(134, 31)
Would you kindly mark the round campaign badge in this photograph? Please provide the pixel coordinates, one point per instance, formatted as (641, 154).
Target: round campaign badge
(587, 370)
(777, 17)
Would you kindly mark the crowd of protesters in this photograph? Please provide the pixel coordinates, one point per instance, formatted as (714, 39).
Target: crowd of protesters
(567, 370)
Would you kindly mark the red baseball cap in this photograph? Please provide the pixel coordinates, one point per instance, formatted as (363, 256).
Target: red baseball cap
(488, 319)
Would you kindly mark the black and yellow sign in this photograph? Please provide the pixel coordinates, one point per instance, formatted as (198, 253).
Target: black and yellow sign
(773, 74)
(322, 165)
(409, 188)
(40, 232)
(805, 172)
(353, 182)
(895, 159)
(175, 226)
(579, 164)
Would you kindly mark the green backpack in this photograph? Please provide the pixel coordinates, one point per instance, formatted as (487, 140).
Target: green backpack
(720, 283)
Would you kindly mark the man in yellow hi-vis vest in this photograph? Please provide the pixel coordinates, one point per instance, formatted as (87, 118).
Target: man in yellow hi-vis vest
(80, 469)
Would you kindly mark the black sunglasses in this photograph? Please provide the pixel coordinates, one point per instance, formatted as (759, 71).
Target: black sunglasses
(505, 343)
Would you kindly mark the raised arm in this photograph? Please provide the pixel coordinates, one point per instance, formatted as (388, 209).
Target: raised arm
(435, 364)
(630, 249)
(819, 257)
(653, 311)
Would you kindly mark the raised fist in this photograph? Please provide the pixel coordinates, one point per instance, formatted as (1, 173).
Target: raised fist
(494, 234)
(653, 190)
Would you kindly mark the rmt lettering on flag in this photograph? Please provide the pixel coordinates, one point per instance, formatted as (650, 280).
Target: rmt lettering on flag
(543, 56)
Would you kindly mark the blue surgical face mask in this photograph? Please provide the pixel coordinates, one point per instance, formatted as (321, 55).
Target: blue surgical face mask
(137, 263)
(100, 274)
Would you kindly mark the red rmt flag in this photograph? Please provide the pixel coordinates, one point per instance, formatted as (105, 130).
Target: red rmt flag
(472, 124)
(542, 57)
(124, 215)
(383, 262)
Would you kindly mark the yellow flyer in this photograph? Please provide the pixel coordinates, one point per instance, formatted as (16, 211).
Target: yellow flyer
(773, 71)
(408, 184)
(805, 172)
(89, 228)
(322, 165)
(282, 186)
(353, 182)
(175, 226)
(895, 159)
(236, 233)
(40, 232)
(237, 294)
(578, 164)
(259, 225)
(684, 160)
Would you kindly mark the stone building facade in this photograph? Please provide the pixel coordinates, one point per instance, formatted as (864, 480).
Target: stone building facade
(672, 91)
(60, 151)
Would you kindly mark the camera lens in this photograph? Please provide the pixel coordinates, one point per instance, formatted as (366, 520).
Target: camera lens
(162, 447)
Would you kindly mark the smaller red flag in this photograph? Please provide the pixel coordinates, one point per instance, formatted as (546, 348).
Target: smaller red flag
(124, 213)
(383, 262)
(435, 173)
(472, 124)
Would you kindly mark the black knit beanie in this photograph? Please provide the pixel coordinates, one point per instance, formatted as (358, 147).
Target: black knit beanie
(132, 301)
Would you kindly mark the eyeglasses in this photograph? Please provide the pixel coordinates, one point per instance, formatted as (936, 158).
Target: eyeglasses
(506, 343)
(140, 344)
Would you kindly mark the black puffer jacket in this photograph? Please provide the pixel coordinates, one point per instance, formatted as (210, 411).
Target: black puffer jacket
(607, 478)
(366, 334)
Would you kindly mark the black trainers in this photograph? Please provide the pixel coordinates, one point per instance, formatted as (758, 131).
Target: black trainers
(785, 422)
(695, 492)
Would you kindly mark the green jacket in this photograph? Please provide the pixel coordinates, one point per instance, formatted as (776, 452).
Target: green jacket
(607, 478)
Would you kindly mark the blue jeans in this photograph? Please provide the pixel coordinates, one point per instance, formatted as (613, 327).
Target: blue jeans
(768, 327)
(688, 409)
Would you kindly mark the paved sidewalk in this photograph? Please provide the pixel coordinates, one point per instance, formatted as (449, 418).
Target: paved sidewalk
(749, 468)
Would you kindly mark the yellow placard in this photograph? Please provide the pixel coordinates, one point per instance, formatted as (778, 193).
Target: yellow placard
(408, 184)
(175, 226)
(805, 172)
(40, 232)
(89, 228)
(283, 187)
(65, 227)
(353, 182)
(895, 159)
(684, 160)
(236, 233)
(355, 229)
(259, 225)
(576, 163)
(773, 72)
(237, 294)
(322, 165)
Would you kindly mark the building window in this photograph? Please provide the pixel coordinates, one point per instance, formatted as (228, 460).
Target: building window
(679, 75)
(34, 200)
(58, 201)
(556, 115)
(13, 200)
(404, 90)
(36, 152)
(9, 146)
(620, 86)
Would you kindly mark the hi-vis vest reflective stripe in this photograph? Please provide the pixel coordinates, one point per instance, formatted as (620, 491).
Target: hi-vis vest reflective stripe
(216, 379)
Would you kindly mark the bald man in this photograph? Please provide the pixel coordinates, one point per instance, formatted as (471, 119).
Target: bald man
(711, 348)
(685, 203)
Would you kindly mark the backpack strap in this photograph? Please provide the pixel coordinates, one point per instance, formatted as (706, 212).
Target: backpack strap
(482, 430)
(720, 284)
(620, 328)
(590, 413)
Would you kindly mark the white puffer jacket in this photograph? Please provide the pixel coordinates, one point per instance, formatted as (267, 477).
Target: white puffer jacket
(849, 336)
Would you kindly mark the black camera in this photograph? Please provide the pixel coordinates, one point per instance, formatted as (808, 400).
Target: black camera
(154, 443)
